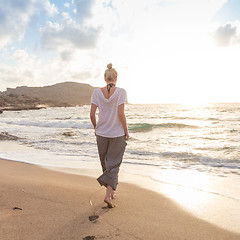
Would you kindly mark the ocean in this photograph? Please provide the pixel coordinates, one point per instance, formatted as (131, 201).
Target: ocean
(188, 147)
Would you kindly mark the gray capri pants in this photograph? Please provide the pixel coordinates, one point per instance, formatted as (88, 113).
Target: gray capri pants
(110, 152)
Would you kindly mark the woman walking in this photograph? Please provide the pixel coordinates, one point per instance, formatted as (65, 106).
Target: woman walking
(111, 130)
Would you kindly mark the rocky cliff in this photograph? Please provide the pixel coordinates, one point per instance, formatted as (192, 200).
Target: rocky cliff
(64, 94)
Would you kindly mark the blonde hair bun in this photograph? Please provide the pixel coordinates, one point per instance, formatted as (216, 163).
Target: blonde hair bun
(110, 74)
(109, 66)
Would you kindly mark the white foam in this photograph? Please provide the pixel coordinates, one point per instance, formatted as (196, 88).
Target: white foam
(50, 124)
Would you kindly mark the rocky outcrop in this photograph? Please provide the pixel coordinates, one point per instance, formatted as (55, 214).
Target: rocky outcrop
(7, 136)
(19, 102)
(59, 95)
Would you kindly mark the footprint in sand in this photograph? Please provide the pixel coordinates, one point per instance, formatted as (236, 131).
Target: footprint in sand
(17, 208)
(89, 238)
(93, 217)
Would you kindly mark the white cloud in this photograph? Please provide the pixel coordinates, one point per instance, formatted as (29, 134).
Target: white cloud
(227, 35)
(26, 69)
(20, 55)
(71, 32)
(67, 17)
(67, 5)
(15, 17)
(72, 40)
(64, 36)
(49, 8)
(66, 56)
(83, 8)
(20, 70)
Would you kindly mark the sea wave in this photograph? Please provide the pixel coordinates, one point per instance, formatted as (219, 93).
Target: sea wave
(142, 127)
(182, 159)
(181, 156)
(51, 124)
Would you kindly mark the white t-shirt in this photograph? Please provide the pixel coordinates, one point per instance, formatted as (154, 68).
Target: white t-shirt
(108, 124)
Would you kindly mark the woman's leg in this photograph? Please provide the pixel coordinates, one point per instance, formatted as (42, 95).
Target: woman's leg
(113, 195)
(114, 157)
(108, 196)
(102, 144)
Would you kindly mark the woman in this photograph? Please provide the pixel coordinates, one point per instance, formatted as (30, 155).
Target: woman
(110, 129)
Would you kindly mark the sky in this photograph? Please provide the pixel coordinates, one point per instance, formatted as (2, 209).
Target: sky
(165, 51)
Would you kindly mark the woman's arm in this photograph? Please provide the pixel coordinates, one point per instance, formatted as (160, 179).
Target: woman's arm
(122, 118)
(93, 115)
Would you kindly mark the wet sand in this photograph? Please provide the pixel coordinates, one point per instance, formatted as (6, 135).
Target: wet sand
(36, 203)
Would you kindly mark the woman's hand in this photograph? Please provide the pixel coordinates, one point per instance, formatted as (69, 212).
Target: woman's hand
(122, 118)
(93, 114)
(126, 136)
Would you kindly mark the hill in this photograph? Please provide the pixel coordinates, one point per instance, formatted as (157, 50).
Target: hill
(64, 94)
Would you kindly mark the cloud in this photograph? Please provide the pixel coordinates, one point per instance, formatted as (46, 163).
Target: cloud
(12, 77)
(84, 75)
(23, 68)
(60, 37)
(84, 8)
(227, 35)
(71, 31)
(67, 5)
(16, 15)
(48, 7)
(66, 56)
(20, 70)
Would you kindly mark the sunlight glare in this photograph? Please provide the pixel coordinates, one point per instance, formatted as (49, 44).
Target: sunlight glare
(187, 188)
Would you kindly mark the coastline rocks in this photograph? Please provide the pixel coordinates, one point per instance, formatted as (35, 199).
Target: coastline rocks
(66, 94)
(21, 108)
(6, 136)
(68, 134)
(14, 102)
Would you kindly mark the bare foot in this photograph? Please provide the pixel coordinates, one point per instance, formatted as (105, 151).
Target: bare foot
(113, 195)
(109, 203)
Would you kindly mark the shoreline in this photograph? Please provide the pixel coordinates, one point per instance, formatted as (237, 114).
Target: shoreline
(206, 204)
(58, 206)
(215, 200)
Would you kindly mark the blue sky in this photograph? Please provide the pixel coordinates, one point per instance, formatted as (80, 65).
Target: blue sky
(164, 50)
(229, 12)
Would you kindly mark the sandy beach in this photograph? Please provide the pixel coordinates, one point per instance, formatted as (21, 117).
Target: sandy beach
(37, 203)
